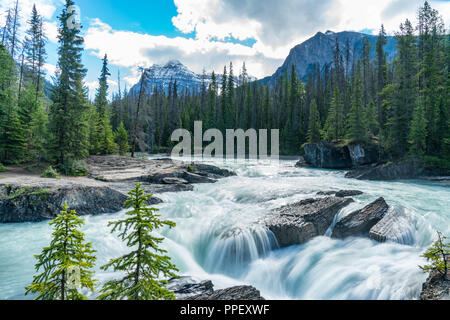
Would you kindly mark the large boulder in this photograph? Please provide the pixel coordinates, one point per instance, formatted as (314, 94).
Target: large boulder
(410, 169)
(333, 156)
(363, 155)
(327, 155)
(361, 221)
(436, 288)
(188, 287)
(34, 204)
(242, 293)
(298, 223)
(395, 226)
(341, 193)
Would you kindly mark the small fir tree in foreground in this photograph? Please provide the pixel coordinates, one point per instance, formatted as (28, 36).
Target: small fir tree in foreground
(437, 255)
(66, 264)
(147, 264)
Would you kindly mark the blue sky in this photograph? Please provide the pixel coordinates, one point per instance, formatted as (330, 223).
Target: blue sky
(208, 34)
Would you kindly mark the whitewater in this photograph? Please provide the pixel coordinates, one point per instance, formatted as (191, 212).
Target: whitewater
(218, 237)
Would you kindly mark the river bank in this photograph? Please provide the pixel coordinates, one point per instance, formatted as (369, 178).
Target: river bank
(27, 197)
(221, 234)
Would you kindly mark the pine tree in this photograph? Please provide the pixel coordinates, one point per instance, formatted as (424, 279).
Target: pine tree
(314, 123)
(432, 77)
(104, 132)
(371, 120)
(35, 52)
(66, 264)
(12, 140)
(122, 140)
(405, 89)
(418, 133)
(381, 67)
(356, 130)
(69, 111)
(438, 255)
(333, 126)
(33, 120)
(144, 267)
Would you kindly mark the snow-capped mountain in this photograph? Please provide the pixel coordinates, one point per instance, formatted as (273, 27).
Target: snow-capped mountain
(159, 76)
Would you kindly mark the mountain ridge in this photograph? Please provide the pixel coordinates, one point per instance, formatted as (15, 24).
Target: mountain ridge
(318, 50)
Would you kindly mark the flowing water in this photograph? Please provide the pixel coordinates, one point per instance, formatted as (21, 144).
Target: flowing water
(218, 237)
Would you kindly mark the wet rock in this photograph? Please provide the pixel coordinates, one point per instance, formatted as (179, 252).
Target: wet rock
(245, 293)
(348, 193)
(341, 193)
(33, 204)
(174, 181)
(436, 287)
(328, 156)
(197, 178)
(124, 169)
(333, 156)
(187, 287)
(300, 222)
(395, 226)
(361, 221)
(410, 169)
(363, 155)
(212, 171)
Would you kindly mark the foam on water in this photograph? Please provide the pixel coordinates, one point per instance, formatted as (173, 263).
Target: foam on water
(218, 237)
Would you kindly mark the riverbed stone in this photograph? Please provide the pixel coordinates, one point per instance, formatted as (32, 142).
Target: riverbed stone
(341, 193)
(238, 293)
(34, 204)
(187, 287)
(436, 287)
(298, 223)
(361, 221)
(395, 226)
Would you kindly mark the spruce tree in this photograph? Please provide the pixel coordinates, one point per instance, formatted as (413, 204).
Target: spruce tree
(69, 111)
(147, 264)
(122, 140)
(66, 264)
(35, 52)
(418, 133)
(314, 123)
(381, 67)
(104, 133)
(356, 130)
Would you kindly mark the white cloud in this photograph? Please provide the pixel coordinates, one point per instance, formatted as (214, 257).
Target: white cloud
(50, 70)
(46, 8)
(277, 26)
(51, 31)
(130, 49)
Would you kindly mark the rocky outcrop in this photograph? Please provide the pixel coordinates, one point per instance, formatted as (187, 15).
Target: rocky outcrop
(327, 156)
(361, 221)
(361, 156)
(395, 226)
(33, 204)
(29, 198)
(188, 287)
(341, 193)
(242, 293)
(410, 169)
(158, 172)
(300, 222)
(436, 288)
(331, 156)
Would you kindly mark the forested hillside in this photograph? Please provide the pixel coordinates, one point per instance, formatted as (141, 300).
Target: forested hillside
(403, 105)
